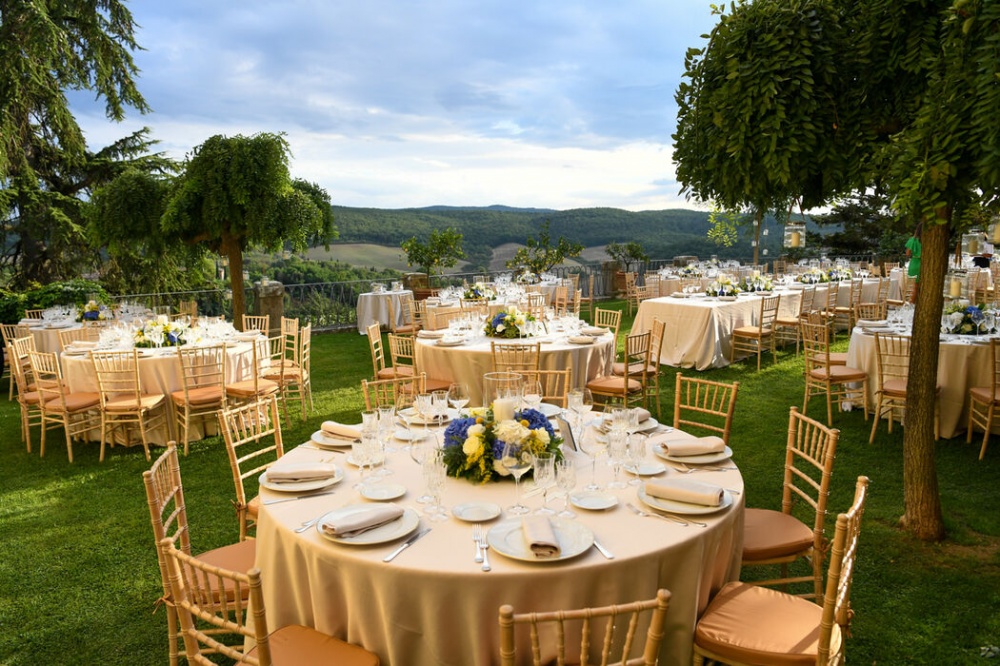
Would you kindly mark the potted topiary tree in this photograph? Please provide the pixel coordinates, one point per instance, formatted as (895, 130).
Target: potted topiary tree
(624, 255)
(443, 249)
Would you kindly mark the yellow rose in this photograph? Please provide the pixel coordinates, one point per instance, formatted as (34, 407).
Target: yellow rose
(473, 448)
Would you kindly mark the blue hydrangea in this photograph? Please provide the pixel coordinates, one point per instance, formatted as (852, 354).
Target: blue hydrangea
(458, 431)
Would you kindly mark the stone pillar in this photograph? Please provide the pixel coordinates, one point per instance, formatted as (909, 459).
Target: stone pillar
(269, 299)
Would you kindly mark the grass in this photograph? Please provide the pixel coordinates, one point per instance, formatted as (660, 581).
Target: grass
(79, 581)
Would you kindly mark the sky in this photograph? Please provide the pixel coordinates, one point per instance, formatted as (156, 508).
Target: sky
(396, 104)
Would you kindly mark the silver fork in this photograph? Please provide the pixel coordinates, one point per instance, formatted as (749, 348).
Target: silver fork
(484, 545)
(309, 523)
(475, 539)
(665, 516)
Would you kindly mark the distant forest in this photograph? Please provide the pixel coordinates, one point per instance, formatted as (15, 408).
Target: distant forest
(663, 234)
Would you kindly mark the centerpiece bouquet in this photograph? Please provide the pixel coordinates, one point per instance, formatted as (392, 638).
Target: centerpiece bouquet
(93, 311)
(479, 290)
(527, 277)
(161, 332)
(757, 282)
(814, 276)
(474, 444)
(509, 323)
(839, 274)
(690, 271)
(723, 286)
(964, 320)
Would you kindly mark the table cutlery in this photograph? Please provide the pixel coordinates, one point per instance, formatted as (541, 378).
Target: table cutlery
(475, 540)
(309, 523)
(313, 447)
(604, 551)
(483, 545)
(297, 497)
(406, 544)
(646, 514)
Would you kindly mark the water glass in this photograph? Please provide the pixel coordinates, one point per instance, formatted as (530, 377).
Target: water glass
(517, 461)
(544, 470)
(369, 421)
(439, 405)
(458, 395)
(566, 482)
(635, 455)
(617, 451)
(435, 472)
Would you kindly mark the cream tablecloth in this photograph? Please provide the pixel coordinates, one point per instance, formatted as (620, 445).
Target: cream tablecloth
(470, 361)
(962, 364)
(375, 307)
(160, 372)
(433, 605)
(698, 330)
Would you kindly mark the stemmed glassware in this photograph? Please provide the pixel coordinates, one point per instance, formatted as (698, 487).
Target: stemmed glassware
(531, 394)
(435, 472)
(404, 409)
(458, 395)
(544, 473)
(363, 452)
(517, 461)
(566, 481)
(635, 453)
(439, 406)
(581, 401)
(593, 444)
(419, 450)
(617, 451)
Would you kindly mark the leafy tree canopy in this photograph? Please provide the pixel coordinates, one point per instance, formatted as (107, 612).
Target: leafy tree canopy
(443, 249)
(540, 255)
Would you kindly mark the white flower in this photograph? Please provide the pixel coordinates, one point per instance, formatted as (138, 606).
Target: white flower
(510, 431)
(500, 468)
(472, 447)
(476, 430)
(541, 435)
(955, 318)
(162, 320)
(500, 328)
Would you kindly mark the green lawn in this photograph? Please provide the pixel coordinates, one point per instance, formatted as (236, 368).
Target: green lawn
(79, 581)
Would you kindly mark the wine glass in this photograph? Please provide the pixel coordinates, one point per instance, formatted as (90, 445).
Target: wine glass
(593, 444)
(531, 394)
(434, 472)
(517, 461)
(635, 453)
(404, 409)
(617, 449)
(566, 481)
(544, 471)
(386, 423)
(419, 450)
(363, 454)
(458, 395)
(581, 405)
(439, 406)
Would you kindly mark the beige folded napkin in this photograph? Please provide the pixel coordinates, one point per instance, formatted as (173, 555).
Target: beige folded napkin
(688, 447)
(593, 330)
(424, 333)
(580, 339)
(643, 414)
(83, 344)
(684, 490)
(539, 536)
(362, 521)
(283, 472)
(873, 323)
(334, 429)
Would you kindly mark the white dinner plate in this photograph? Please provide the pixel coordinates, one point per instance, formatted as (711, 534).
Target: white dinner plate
(727, 298)
(646, 469)
(686, 508)
(75, 352)
(704, 459)
(644, 426)
(420, 419)
(678, 294)
(325, 441)
(414, 435)
(507, 538)
(476, 512)
(550, 410)
(375, 463)
(593, 500)
(397, 529)
(450, 342)
(383, 491)
(301, 486)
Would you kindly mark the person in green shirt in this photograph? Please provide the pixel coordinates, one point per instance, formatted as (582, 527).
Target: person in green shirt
(913, 251)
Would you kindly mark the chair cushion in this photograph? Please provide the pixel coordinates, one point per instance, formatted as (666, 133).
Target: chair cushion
(752, 332)
(75, 402)
(618, 368)
(839, 373)
(204, 395)
(146, 400)
(768, 534)
(240, 556)
(245, 388)
(607, 384)
(985, 394)
(894, 387)
(295, 644)
(838, 358)
(386, 373)
(757, 625)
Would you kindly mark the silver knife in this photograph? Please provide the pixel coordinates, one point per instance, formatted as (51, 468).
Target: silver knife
(406, 544)
(297, 497)
(604, 551)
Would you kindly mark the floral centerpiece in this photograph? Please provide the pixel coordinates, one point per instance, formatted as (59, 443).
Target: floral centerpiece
(963, 320)
(508, 324)
(527, 277)
(690, 271)
(93, 311)
(814, 276)
(839, 274)
(723, 286)
(757, 282)
(473, 445)
(479, 290)
(161, 332)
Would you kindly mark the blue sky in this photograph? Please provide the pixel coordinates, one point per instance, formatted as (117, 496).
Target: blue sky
(393, 104)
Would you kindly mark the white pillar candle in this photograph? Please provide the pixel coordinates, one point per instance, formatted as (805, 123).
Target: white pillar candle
(503, 409)
(796, 239)
(955, 288)
(973, 246)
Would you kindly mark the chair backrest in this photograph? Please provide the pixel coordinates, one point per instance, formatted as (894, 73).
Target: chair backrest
(883, 289)
(893, 356)
(610, 319)
(386, 392)
(401, 351)
(48, 378)
(768, 311)
(20, 347)
(418, 312)
(245, 430)
(808, 302)
(816, 341)
(377, 350)
(189, 308)
(875, 310)
(515, 356)
(117, 375)
(13, 331)
(201, 368)
(614, 645)
(560, 298)
(637, 357)
(260, 323)
(405, 314)
(84, 333)
(705, 404)
(193, 586)
(167, 511)
(809, 456)
(657, 331)
(535, 304)
(832, 292)
(33, 314)
(840, 573)
(555, 384)
(305, 347)
(856, 285)
(290, 335)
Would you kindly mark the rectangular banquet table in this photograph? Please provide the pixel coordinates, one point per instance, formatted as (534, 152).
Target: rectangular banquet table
(469, 361)
(433, 605)
(698, 330)
(964, 362)
(375, 307)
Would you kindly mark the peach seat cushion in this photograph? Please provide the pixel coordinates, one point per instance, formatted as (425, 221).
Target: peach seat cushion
(296, 644)
(768, 534)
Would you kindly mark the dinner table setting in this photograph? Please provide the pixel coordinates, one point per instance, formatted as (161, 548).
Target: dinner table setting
(406, 532)
(380, 303)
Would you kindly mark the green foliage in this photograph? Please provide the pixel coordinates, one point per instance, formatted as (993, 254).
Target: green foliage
(71, 292)
(724, 223)
(540, 255)
(442, 249)
(626, 254)
(867, 226)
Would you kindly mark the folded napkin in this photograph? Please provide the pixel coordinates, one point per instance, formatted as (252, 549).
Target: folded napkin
(580, 339)
(298, 472)
(873, 323)
(540, 537)
(643, 414)
(683, 490)
(425, 333)
(362, 521)
(451, 340)
(688, 447)
(593, 330)
(83, 344)
(339, 430)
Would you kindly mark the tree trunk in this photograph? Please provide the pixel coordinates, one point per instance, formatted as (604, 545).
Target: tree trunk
(758, 221)
(231, 248)
(921, 499)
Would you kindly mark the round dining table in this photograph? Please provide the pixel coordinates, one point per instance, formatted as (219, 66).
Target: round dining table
(374, 307)
(469, 361)
(434, 605)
